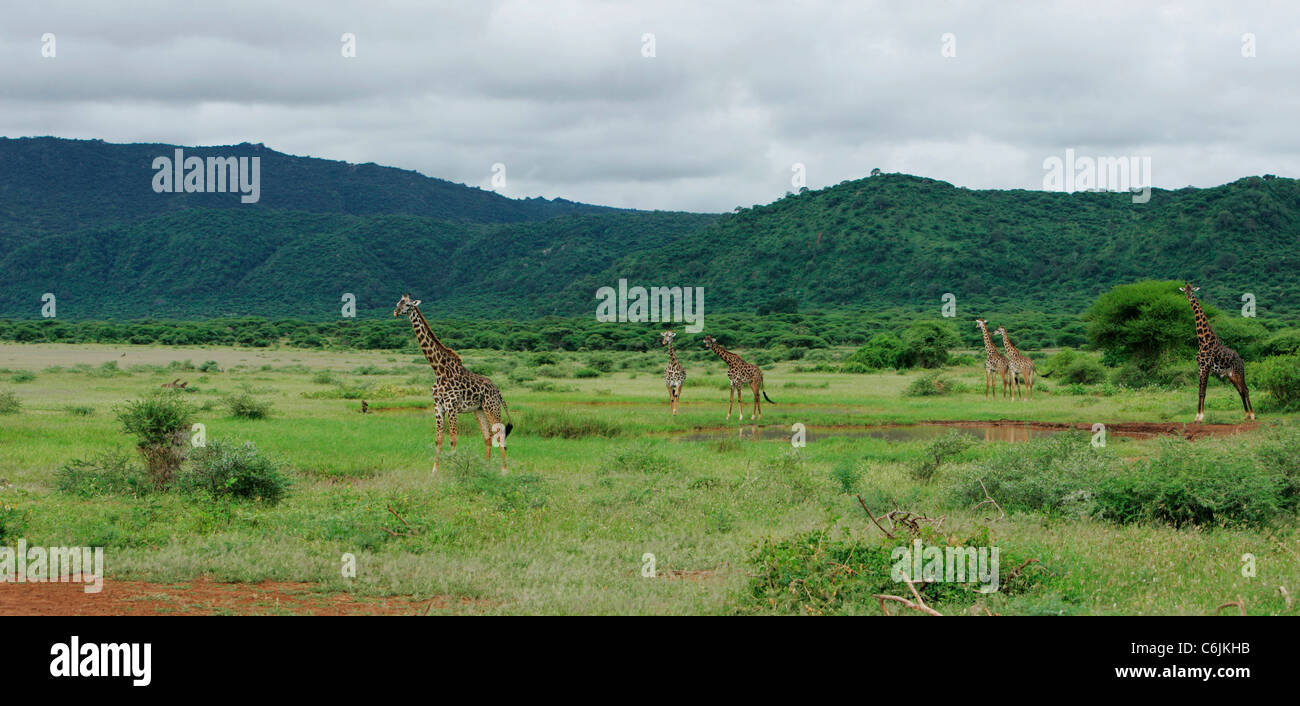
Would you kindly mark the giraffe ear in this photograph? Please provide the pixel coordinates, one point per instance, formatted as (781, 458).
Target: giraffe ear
(415, 302)
(1196, 289)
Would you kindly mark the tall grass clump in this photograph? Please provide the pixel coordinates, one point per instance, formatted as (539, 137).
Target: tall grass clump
(110, 473)
(9, 402)
(564, 424)
(245, 406)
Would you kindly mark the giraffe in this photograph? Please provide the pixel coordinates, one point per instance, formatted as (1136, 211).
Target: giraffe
(456, 389)
(994, 362)
(674, 374)
(740, 373)
(1214, 357)
(1018, 365)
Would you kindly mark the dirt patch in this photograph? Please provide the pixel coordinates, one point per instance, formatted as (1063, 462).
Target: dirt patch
(206, 597)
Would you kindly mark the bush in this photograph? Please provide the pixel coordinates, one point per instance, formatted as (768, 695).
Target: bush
(884, 350)
(1285, 342)
(933, 383)
(587, 373)
(1056, 475)
(245, 406)
(1199, 485)
(938, 451)
(1279, 376)
(602, 363)
(926, 344)
(22, 376)
(9, 402)
(846, 474)
(161, 424)
(226, 470)
(209, 366)
(111, 473)
(324, 377)
(1070, 367)
(80, 410)
(13, 523)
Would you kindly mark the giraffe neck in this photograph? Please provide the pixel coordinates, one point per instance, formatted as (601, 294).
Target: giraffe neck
(726, 355)
(1012, 351)
(672, 352)
(443, 359)
(1205, 336)
(988, 342)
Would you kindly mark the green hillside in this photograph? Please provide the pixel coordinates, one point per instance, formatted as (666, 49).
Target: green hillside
(53, 185)
(79, 219)
(898, 240)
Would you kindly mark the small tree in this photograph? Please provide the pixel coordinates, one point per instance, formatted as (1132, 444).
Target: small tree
(161, 423)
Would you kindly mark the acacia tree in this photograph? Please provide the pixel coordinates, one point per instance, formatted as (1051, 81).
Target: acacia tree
(161, 424)
(1146, 323)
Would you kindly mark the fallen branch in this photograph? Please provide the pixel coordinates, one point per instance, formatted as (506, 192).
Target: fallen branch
(918, 605)
(410, 531)
(1241, 606)
(989, 499)
(873, 517)
(1016, 571)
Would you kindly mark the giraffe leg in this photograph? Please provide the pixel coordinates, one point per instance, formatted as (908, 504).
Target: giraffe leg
(988, 382)
(758, 404)
(731, 398)
(1029, 380)
(1200, 400)
(677, 398)
(453, 428)
(740, 403)
(1239, 380)
(492, 420)
(1005, 385)
(439, 419)
(483, 426)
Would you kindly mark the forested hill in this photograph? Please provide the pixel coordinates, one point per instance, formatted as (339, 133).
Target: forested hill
(78, 219)
(898, 240)
(52, 185)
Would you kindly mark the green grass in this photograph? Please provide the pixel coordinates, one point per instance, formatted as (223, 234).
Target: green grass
(597, 479)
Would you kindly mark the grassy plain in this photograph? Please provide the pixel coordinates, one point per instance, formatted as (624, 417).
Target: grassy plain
(600, 476)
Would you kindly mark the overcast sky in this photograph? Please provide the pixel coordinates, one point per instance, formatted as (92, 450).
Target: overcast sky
(736, 92)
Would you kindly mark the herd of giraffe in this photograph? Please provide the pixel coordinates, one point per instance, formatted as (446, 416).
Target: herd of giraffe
(458, 390)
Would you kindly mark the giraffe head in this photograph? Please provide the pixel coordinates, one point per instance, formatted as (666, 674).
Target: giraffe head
(1189, 290)
(981, 324)
(667, 338)
(405, 305)
(1001, 331)
(709, 341)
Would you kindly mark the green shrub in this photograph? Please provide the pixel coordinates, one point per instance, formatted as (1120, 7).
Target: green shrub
(644, 457)
(324, 377)
(926, 344)
(1199, 485)
(587, 373)
(80, 410)
(245, 406)
(22, 376)
(209, 366)
(846, 474)
(884, 350)
(161, 424)
(1285, 342)
(9, 402)
(1279, 376)
(13, 523)
(226, 470)
(951, 444)
(602, 363)
(1056, 475)
(1071, 367)
(111, 473)
(933, 383)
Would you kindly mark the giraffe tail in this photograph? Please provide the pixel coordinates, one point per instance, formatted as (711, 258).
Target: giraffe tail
(510, 422)
(769, 399)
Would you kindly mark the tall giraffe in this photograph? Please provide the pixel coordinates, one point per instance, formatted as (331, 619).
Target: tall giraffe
(994, 362)
(1214, 357)
(740, 373)
(1019, 365)
(456, 390)
(674, 374)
